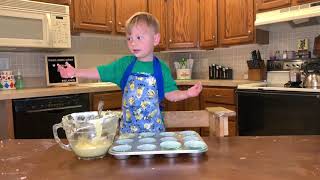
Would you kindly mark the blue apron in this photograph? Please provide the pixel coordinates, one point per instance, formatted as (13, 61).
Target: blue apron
(142, 94)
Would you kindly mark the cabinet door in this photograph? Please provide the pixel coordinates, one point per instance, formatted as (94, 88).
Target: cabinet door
(297, 2)
(183, 23)
(208, 23)
(189, 104)
(266, 5)
(112, 100)
(159, 9)
(95, 15)
(236, 20)
(125, 9)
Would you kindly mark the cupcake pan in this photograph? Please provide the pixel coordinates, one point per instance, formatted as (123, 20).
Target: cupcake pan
(168, 144)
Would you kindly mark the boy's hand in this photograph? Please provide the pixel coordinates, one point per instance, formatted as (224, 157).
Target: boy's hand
(194, 90)
(66, 72)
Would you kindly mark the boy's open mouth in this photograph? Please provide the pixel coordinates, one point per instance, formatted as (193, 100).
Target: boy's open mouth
(136, 50)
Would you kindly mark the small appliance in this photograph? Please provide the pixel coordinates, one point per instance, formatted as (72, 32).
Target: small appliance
(297, 16)
(28, 25)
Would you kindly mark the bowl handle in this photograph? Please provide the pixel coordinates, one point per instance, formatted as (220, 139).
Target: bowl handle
(57, 139)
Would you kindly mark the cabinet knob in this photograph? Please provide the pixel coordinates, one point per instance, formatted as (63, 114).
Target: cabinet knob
(213, 37)
(119, 23)
(249, 32)
(170, 40)
(110, 22)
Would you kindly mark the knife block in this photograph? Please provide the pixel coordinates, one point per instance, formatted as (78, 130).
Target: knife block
(257, 74)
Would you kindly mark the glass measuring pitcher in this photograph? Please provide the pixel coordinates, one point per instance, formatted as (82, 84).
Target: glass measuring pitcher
(89, 135)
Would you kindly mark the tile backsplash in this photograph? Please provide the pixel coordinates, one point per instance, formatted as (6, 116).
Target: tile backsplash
(92, 50)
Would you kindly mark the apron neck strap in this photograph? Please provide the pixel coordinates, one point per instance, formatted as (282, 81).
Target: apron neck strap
(157, 71)
(127, 73)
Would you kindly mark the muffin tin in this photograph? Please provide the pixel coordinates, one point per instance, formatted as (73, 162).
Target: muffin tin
(148, 144)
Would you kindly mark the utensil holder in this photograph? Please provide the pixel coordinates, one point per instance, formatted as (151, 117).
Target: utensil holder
(255, 64)
(257, 74)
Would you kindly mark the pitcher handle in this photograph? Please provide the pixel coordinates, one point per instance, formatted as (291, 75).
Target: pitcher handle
(57, 139)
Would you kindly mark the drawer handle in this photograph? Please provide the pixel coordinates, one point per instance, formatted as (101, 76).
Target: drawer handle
(217, 95)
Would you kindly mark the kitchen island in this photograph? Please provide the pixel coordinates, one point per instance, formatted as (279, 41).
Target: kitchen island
(263, 158)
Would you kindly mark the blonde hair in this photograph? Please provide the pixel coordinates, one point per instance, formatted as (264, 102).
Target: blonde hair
(142, 17)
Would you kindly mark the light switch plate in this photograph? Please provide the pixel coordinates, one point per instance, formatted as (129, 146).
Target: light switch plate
(4, 63)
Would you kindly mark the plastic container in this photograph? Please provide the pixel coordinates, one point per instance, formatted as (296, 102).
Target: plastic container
(184, 73)
(7, 80)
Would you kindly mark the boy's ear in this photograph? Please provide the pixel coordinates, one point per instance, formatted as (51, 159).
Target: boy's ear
(156, 39)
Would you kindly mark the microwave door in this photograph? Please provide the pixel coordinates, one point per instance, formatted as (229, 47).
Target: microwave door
(24, 29)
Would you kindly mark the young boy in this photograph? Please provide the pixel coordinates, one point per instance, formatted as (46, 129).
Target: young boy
(144, 79)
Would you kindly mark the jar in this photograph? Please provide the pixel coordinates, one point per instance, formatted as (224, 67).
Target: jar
(295, 75)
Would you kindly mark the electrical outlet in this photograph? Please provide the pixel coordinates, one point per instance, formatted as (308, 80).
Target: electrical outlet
(4, 63)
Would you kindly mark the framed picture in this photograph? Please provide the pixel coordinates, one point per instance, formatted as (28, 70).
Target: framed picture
(303, 45)
(53, 76)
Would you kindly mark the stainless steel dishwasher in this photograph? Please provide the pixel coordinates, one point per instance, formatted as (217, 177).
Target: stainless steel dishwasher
(34, 117)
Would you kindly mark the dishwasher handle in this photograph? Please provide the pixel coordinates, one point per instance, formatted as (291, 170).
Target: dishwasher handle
(54, 109)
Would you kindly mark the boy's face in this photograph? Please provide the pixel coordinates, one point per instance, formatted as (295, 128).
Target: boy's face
(141, 41)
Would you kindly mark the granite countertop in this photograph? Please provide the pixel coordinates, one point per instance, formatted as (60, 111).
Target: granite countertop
(217, 83)
(54, 91)
(274, 87)
(100, 87)
(241, 158)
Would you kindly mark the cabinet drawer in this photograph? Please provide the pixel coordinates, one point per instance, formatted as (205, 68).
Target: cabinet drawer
(112, 100)
(218, 95)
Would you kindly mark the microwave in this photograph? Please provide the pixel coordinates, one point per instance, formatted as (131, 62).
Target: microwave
(30, 24)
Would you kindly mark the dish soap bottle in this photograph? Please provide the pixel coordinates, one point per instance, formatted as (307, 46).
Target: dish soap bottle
(19, 80)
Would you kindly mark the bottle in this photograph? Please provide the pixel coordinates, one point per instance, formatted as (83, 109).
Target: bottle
(19, 80)
(278, 55)
(217, 72)
(213, 69)
(220, 72)
(285, 55)
(223, 75)
(230, 73)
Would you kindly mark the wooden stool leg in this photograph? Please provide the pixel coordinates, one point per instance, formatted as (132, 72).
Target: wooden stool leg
(222, 127)
(218, 121)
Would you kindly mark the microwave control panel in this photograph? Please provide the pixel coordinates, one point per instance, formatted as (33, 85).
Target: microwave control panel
(61, 31)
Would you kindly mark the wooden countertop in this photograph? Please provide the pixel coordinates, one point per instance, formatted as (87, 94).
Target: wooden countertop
(241, 158)
(99, 87)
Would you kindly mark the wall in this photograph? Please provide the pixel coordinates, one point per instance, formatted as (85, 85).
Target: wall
(281, 37)
(92, 50)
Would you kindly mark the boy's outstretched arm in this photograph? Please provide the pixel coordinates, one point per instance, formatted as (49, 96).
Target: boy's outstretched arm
(69, 72)
(179, 95)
